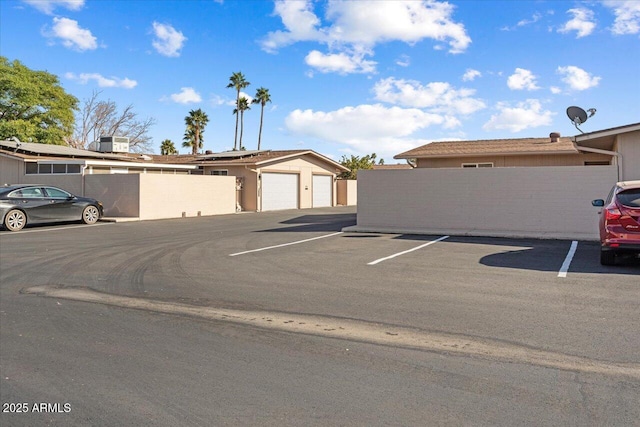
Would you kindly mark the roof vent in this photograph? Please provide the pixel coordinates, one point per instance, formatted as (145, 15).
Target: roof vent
(554, 136)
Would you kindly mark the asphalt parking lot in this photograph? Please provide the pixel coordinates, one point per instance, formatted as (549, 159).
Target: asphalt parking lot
(502, 305)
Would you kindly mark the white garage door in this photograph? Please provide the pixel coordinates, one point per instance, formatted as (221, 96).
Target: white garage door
(322, 191)
(279, 191)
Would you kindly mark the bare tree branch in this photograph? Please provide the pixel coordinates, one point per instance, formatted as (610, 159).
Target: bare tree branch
(102, 118)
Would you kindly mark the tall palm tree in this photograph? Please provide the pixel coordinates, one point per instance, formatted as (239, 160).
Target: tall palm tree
(243, 105)
(195, 121)
(167, 147)
(262, 97)
(237, 81)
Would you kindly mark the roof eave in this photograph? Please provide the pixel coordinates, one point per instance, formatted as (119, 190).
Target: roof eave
(456, 155)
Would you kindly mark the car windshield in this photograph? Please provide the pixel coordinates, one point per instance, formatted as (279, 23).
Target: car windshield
(630, 198)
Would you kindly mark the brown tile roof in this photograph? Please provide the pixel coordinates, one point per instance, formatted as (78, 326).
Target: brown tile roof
(504, 147)
(396, 166)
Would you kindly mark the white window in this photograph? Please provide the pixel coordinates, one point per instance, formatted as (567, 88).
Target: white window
(220, 172)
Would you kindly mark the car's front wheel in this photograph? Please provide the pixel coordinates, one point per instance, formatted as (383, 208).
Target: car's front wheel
(15, 220)
(90, 215)
(607, 257)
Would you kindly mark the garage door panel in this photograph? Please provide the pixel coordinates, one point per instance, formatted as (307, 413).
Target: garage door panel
(322, 191)
(279, 191)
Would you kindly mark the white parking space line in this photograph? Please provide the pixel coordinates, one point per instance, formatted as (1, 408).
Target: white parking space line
(286, 244)
(407, 251)
(568, 259)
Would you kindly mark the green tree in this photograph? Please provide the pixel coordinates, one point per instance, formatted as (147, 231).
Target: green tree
(243, 105)
(238, 82)
(33, 105)
(262, 97)
(355, 163)
(167, 148)
(196, 122)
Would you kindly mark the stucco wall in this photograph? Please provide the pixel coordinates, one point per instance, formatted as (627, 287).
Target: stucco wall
(11, 170)
(628, 145)
(347, 192)
(577, 159)
(553, 202)
(153, 196)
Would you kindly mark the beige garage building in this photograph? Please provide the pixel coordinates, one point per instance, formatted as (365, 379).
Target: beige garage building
(272, 179)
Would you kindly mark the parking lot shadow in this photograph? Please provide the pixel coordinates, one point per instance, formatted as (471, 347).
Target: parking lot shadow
(540, 255)
(319, 222)
(549, 256)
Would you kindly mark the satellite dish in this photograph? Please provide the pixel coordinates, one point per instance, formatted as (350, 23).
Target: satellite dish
(578, 116)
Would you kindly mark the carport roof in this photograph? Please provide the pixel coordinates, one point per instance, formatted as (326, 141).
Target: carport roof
(503, 147)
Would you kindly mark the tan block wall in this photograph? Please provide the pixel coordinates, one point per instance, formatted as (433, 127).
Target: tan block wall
(119, 193)
(153, 196)
(347, 192)
(513, 202)
(171, 196)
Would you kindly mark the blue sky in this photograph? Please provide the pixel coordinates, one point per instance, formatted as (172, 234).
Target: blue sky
(345, 78)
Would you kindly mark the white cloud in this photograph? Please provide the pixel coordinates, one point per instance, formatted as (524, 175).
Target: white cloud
(524, 22)
(403, 61)
(524, 115)
(627, 16)
(555, 90)
(439, 97)
(365, 128)
(356, 27)
(72, 36)
(470, 75)
(300, 23)
(582, 23)
(84, 78)
(168, 41)
(341, 63)
(187, 95)
(522, 80)
(577, 78)
(48, 6)
(409, 21)
(232, 102)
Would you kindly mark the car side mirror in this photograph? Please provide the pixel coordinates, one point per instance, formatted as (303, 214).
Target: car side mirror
(597, 203)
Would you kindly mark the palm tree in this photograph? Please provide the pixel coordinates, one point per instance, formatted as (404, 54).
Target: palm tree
(238, 82)
(195, 121)
(243, 105)
(167, 147)
(262, 97)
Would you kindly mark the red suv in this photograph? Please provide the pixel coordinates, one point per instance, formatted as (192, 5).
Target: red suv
(620, 221)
